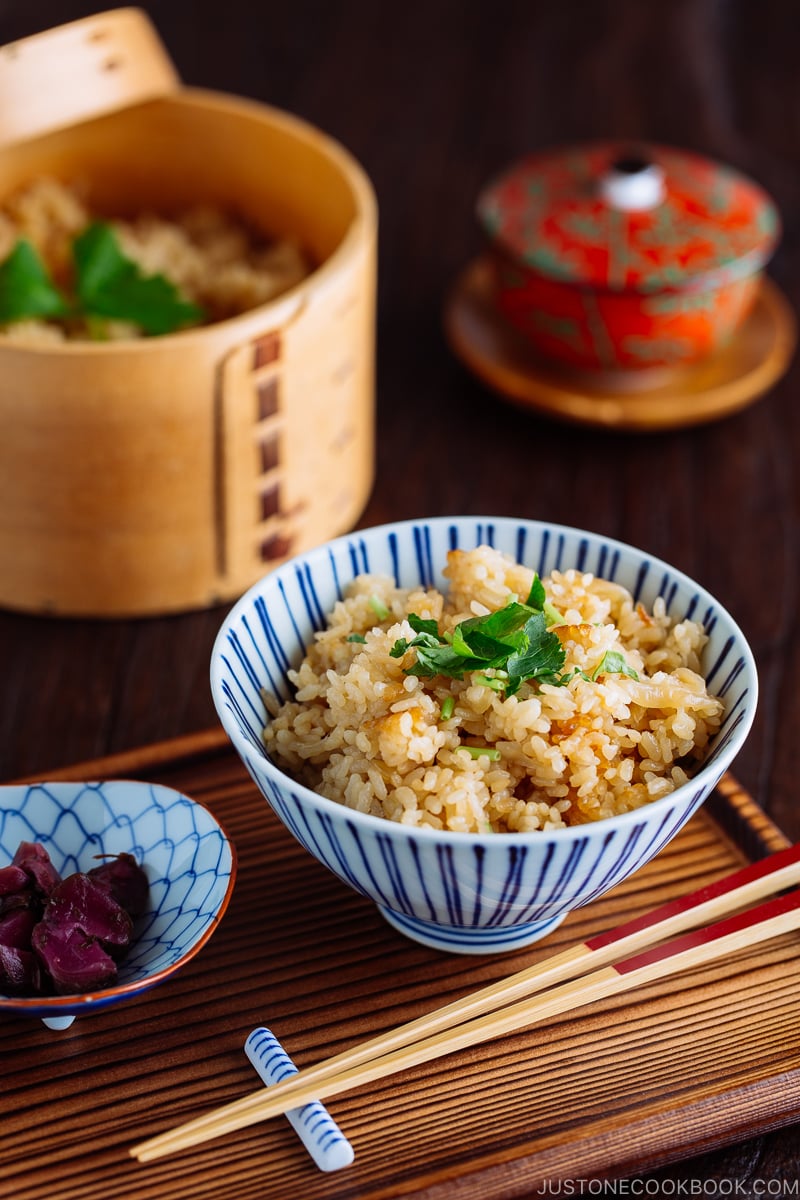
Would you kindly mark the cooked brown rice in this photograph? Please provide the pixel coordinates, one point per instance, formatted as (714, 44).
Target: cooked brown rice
(361, 731)
(213, 259)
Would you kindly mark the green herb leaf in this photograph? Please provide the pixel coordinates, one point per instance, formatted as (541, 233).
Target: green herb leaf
(544, 654)
(613, 663)
(26, 289)
(537, 598)
(563, 679)
(514, 641)
(110, 285)
(356, 637)
(473, 644)
(443, 660)
(493, 637)
(424, 639)
(421, 625)
(500, 624)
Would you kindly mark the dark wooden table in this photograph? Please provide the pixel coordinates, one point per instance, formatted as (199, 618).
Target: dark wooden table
(434, 97)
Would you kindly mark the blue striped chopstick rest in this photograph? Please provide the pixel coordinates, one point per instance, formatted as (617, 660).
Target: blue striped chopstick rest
(319, 1133)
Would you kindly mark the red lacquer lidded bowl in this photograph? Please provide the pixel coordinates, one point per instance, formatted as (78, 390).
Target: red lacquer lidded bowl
(611, 257)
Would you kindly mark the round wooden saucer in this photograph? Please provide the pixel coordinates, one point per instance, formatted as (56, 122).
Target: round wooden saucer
(757, 357)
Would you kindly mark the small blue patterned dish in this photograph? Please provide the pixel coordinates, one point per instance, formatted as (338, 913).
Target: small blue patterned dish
(465, 892)
(187, 857)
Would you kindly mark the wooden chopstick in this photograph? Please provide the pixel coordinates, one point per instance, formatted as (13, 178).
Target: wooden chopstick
(472, 1019)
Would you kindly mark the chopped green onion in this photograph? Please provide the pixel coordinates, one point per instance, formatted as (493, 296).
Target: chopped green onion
(356, 637)
(482, 752)
(448, 704)
(498, 683)
(378, 607)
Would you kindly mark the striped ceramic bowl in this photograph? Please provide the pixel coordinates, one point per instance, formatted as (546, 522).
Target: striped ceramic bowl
(464, 892)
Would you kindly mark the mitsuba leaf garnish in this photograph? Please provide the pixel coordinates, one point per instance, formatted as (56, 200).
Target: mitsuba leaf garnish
(108, 286)
(613, 663)
(537, 597)
(26, 289)
(515, 643)
(543, 656)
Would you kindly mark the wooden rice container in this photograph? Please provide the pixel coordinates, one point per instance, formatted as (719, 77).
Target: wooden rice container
(169, 473)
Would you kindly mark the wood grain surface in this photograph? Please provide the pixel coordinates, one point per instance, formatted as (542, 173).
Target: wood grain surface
(632, 1081)
(434, 97)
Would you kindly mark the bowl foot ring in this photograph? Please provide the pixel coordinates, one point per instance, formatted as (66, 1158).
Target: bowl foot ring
(58, 1023)
(467, 940)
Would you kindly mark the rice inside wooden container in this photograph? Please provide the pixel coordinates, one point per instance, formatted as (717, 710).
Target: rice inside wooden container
(169, 473)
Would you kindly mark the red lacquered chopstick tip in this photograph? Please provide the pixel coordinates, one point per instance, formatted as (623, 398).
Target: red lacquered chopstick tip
(767, 911)
(749, 874)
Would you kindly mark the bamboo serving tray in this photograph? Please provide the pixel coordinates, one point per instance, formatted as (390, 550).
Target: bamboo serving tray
(679, 1067)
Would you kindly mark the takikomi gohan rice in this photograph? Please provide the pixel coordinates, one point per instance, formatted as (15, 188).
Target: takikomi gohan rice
(561, 701)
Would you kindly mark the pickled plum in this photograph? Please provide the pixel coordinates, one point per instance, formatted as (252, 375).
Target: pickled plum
(65, 935)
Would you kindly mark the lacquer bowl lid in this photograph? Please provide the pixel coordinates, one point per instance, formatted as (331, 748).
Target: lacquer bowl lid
(615, 217)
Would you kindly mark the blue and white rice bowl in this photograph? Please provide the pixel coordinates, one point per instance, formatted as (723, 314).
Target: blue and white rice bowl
(186, 855)
(465, 892)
